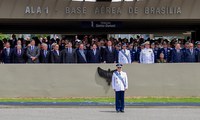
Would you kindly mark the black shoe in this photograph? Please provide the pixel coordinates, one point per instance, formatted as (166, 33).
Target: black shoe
(118, 111)
(122, 111)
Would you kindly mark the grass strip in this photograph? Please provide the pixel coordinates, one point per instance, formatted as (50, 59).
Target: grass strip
(107, 100)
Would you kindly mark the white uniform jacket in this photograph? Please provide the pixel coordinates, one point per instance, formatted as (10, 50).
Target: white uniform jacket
(124, 57)
(147, 56)
(117, 83)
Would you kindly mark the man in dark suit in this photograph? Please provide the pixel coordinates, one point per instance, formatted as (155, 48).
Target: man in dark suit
(56, 55)
(184, 49)
(13, 41)
(7, 54)
(139, 51)
(45, 54)
(19, 42)
(94, 55)
(100, 47)
(81, 54)
(136, 49)
(33, 53)
(177, 54)
(198, 52)
(18, 55)
(190, 54)
(109, 53)
(166, 51)
(117, 49)
(133, 52)
(186, 46)
(68, 55)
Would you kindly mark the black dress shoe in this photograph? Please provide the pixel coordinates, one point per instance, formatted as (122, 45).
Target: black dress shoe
(122, 111)
(118, 111)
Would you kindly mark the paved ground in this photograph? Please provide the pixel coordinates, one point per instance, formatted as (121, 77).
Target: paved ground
(66, 104)
(99, 114)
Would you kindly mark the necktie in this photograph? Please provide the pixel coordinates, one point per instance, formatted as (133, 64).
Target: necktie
(110, 49)
(18, 52)
(45, 53)
(32, 48)
(82, 53)
(8, 51)
(94, 52)
(70, 50)
(49, 47)
(191, 51)
(58, 52)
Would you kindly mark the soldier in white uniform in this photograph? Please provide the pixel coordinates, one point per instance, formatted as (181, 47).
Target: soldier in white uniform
(147, 54)
(124, 56)
(120, 85)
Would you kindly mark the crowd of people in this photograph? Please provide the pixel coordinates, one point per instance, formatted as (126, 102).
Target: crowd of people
(98, 50)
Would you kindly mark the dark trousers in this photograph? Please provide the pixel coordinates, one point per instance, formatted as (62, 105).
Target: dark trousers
(119, 100)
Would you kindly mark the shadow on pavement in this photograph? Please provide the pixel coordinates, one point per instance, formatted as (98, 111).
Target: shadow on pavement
(109, 111)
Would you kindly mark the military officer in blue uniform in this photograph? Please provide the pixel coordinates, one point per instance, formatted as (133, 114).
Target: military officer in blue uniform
(166, 51)
(120, 85)
(133, 53)
(155, 51)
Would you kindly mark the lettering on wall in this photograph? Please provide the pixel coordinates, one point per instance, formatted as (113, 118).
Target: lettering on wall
(36, 10)
(107, 10)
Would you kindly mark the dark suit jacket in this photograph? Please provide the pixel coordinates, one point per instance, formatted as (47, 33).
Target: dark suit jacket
(138, 54)
(7, 58)
(177, 57)
(33, 53)
(80, 58)
(197, 54)
(133, 55)
(198, 57)
(109, 57)
(67, 57)
(189, 57)
(55, 58)
(116, 56)
(44, 59)
(19, 58)
(101, 50)
(94, 58)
